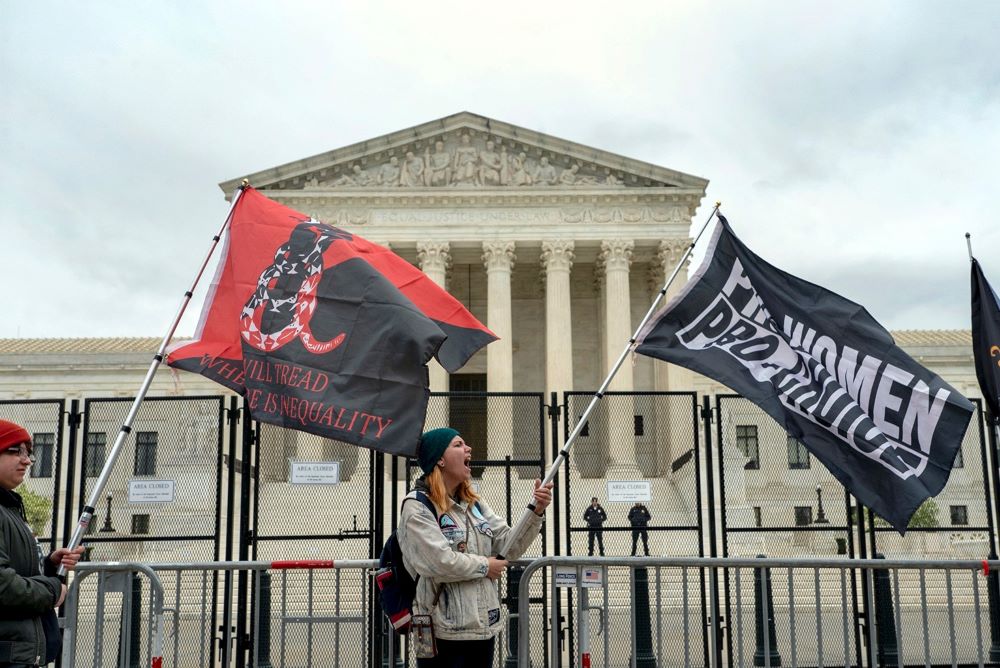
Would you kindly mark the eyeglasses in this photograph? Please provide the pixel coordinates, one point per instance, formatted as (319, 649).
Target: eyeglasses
(23, 452)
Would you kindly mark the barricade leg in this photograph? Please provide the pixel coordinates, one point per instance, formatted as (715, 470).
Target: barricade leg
(263, 634)
(513, 582)
(993, 596)
(583, 616)
(129, 641)
(766, 653)
(641, 612)
(885, 622)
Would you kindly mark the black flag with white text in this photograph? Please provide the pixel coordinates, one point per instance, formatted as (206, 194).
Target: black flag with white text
(986, 339)
(820, 365)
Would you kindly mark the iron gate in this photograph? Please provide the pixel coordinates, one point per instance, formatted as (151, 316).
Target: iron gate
(506, 431)
(162, 502)
(775, 500)
(762, 492)
(645, 437)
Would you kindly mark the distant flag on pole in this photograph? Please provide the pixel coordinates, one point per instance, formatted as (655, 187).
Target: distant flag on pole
(325, 332)
(986, 338)
(820, 365)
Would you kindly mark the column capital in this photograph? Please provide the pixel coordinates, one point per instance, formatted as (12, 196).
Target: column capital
(670, 252)
(616, 254)
(557, 255)
(655, 277)
(434, 255)
(498, 255)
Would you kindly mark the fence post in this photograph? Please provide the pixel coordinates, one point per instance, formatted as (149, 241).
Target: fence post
(766, 653)
(263, 634)
(993, 579)
(993, 596)
(644, 657)
(129, 641)
(885, 621)
(513, 583)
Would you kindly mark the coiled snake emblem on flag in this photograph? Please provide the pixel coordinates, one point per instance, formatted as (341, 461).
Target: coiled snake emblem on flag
(280, 309)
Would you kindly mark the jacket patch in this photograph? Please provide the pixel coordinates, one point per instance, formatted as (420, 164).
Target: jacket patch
(494, 616)
(452, 532)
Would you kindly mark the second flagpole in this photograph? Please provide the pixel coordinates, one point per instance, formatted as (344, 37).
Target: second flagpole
(102, 480)
(522, 522)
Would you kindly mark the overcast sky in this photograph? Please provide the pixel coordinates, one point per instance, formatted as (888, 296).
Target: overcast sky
(852, 144)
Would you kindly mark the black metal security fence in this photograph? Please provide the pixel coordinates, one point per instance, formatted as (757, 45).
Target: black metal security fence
(197, 480)
(783, 616)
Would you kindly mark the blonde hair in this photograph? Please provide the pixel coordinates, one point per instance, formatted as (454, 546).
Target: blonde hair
(439, 494)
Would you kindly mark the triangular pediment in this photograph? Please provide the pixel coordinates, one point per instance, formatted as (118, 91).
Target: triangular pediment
(466, 151)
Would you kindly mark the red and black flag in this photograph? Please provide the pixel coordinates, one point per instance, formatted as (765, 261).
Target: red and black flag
(986, 339)
(325, 332)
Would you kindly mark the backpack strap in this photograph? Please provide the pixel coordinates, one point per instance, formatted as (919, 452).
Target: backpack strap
(429, 505)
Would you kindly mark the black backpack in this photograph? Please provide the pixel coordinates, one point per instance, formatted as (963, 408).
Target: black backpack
(396, 587)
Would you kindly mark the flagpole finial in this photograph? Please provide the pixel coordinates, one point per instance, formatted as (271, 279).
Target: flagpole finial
(718, 204)
(245, 183)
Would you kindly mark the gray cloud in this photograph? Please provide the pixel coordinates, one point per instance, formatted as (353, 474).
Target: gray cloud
(854, 145)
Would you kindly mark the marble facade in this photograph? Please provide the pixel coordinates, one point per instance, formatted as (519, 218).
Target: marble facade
(550, 243)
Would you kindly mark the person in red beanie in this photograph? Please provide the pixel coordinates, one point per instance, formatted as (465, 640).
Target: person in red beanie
(29, 588)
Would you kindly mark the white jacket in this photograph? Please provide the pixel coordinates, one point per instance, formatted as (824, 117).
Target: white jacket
(450, 554)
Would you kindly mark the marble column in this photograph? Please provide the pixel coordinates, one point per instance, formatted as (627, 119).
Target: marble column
(499, 258)
(669, 376)
(618, 412)
(616, 257)
(557, 260)
(434, 258)
(674, 433)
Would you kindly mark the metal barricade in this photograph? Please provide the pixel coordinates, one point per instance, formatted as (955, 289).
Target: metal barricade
(786, 612)
(302, 613)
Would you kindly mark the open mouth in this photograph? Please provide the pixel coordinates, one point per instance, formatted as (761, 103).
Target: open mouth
(468, 463)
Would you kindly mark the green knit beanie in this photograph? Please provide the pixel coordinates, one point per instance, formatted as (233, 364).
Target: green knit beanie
(432, 446)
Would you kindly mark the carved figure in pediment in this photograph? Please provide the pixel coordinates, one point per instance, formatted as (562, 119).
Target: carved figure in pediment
(438, 170)
(345, 180)
(491, 165)
(611, 180)
(568, 176)
(546, 174)
(357, 177)
(519, 175)
(466, 157)
(412, 175)
(388, 174)
(361, 176)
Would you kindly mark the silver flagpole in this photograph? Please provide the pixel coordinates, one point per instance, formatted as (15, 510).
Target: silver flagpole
(522, 522)
(126, 428)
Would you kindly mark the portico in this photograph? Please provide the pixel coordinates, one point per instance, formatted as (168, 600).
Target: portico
(558, 247)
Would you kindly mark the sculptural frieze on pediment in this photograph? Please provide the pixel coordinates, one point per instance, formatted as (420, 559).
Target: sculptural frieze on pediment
(469, 159)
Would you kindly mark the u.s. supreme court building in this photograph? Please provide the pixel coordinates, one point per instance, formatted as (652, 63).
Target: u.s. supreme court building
(559, 248)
